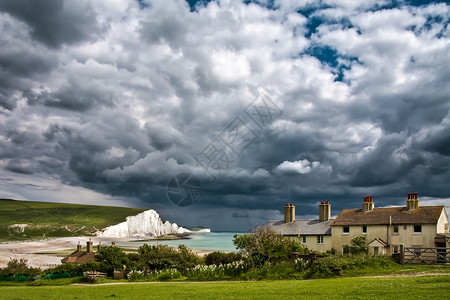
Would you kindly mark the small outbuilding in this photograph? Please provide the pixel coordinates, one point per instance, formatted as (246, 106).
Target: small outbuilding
(80, 256)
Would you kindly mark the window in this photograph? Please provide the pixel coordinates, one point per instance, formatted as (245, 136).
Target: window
(304, 239)
(346, 229)
(417, 228)
(346, 249)
(319, 239)
(364, 229)
(395, 228)
(375, 250)
(395, 249)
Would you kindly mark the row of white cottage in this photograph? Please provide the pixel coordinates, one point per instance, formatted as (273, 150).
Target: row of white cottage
(385, 228)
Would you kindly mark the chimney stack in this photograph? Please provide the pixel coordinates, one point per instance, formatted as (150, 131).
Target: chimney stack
(368, 203)
(289, 213)
(79, 246)
(89, 246)
(99, 247)
(413, 202)
(324, 211)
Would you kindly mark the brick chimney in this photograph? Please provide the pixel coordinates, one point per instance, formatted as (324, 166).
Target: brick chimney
(413, 202)
(289, 213)
(89, 246)
(368, 203)
(79, 246)
(324, 211)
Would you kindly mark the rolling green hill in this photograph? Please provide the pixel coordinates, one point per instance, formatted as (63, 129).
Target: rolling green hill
(20, 220)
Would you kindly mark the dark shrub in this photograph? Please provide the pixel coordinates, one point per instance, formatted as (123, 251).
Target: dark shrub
(111, 258)
(218, 257)
(336, 265)
(358, 246)
(134, 261)
(161, 257)
(264, 244)
(19, 267)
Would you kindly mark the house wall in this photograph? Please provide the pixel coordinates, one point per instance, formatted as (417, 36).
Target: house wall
(405, 235)
(442, 224)
(382, 250)
(311, 242)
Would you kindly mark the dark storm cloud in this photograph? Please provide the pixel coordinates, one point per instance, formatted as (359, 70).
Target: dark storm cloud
(55, 22)
(20, 62)
(363, 93)
(77, 95)
(18, 166)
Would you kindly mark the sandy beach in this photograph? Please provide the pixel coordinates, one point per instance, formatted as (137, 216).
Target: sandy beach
(48, 253)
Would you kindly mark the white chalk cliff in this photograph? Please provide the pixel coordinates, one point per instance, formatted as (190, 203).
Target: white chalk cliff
(145, 224)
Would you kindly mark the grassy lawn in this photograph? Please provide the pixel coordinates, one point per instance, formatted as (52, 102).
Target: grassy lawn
(431, 287)
(46, 219)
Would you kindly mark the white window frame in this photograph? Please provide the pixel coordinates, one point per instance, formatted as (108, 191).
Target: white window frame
(320, 239)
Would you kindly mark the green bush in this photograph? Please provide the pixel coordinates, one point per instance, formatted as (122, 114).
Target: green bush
(336, 265)
(169, 274)
(218, 257)
(264, 244)
(302, 265)
(134, 261)
(110, 258)
(17, 267)
(358, 246)
(206, 273)
(136, 275)
(161, 257)
(271, 271)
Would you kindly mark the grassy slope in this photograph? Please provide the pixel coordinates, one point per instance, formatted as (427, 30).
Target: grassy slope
(435, 287)
(52, 219)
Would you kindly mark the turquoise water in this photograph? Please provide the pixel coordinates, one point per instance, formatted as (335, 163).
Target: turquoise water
(211, 241)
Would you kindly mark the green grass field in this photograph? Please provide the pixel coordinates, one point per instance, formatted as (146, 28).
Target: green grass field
(429, 287)
(46, 219)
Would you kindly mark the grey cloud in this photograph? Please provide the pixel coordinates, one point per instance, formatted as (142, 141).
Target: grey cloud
(122, 111)
(20, 166)
(55, 22)
(438, 141)
(76, 95)
(239, 215)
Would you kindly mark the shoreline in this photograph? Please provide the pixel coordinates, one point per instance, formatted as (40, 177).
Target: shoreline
(47, 253)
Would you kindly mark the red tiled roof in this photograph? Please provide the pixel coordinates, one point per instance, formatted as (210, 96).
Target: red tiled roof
(78, 257)
(389, 215)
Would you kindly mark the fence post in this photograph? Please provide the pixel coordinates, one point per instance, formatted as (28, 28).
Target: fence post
(402, 254)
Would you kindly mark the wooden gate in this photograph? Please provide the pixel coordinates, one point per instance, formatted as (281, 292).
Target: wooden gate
(420, 255)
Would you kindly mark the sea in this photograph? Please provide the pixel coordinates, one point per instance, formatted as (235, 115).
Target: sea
(207, 241)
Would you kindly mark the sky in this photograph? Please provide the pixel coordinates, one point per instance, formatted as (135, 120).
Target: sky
(218, 113)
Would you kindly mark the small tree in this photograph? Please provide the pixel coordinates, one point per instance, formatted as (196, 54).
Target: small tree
(218, 257)
(358, 245)
(265, 244)
(19, 267)
(160, 257)
(111, 258)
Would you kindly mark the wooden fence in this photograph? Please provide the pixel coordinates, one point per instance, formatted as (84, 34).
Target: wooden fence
(420, 255)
